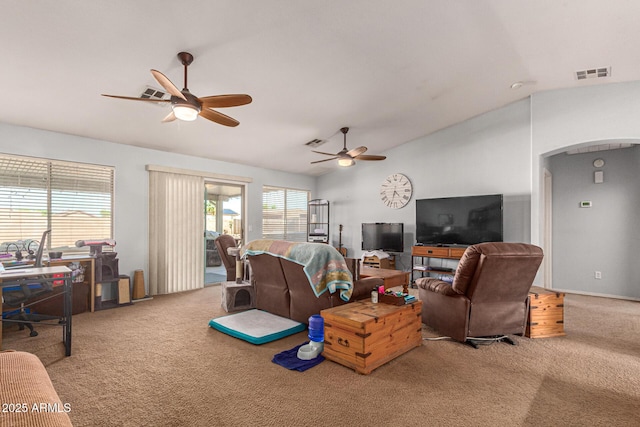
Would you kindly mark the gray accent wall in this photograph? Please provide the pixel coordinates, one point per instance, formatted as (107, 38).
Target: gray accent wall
(604, 237)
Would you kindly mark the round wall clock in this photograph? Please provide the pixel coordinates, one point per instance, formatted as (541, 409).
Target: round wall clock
(395, 191)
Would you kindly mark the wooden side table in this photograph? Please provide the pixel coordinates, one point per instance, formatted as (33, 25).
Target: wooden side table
(546, 313)
(392, 278)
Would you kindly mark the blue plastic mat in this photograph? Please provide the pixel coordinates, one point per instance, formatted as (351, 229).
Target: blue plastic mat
(256, 326)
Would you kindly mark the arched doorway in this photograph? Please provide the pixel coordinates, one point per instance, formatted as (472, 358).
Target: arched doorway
(589, 201)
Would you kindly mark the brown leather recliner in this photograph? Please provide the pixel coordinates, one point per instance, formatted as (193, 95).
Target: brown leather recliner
(223, 242)
(282, 288)
(489, 293)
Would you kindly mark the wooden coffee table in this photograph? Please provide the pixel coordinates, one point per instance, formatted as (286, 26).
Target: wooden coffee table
(392, 278)
(363, 336)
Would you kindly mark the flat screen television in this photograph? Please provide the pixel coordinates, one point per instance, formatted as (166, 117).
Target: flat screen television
(383, 236)
(459, 220)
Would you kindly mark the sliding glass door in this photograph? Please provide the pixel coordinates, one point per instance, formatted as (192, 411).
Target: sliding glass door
(224, 209)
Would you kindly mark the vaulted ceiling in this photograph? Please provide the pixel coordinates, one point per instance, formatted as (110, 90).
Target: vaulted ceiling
(390, 70)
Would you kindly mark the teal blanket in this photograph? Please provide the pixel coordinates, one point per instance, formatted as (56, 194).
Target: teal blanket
(323, 265)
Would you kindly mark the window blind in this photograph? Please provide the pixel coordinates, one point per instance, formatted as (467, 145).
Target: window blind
(284, 214)
(74, 200)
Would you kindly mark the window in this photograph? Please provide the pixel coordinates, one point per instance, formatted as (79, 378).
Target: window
(284, 214)
(74, 200)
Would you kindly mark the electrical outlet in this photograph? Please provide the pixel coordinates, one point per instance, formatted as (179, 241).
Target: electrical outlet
(598, 274)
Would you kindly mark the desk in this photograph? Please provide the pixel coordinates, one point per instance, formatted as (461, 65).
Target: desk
(39, 275)
(391, 278)
(83, 287)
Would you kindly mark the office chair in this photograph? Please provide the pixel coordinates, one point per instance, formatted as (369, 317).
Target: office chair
(17, 296)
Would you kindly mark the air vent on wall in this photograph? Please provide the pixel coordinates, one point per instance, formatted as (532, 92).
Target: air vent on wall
(593, 73)
(315, 142)
(150, 92)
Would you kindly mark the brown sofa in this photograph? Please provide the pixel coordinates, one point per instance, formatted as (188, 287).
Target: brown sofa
(27, 395)
(282, 288)
(489, 293)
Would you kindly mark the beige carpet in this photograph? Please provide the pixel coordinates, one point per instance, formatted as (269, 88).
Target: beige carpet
(157, 363)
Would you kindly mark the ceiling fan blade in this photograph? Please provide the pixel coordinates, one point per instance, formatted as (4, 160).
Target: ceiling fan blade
(167, 85)
(326, 154)
(369, 157)
(220, 101)
(325, 160)
(219, 118)
(133, 98)
(357, 151)
(169, 118)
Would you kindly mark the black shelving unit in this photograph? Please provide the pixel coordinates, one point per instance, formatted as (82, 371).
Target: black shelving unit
(318, 221)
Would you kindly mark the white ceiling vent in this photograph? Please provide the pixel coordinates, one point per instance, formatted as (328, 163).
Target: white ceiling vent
(315, 142)
(150, 92)
(593, 73)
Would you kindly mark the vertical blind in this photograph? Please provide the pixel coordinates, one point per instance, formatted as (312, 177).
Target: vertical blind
(74, 200)
(176, 232)
(284, 214)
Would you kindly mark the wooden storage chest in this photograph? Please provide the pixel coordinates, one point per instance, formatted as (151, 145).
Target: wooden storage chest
(363, 336)
(375, 262)
(546, 313)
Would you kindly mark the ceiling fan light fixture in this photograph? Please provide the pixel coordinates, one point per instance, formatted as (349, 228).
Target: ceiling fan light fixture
(187, 113)
(346, 161)
(187, 107)
(345, 156)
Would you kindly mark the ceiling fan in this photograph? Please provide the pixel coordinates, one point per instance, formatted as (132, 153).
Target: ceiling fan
(188, 107)
(347, 157)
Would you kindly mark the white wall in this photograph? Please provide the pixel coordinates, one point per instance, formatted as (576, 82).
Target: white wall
(581, 117)
(485, 155)
(501, 151)
(131, 181)
(498, 152)
(574, 117)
